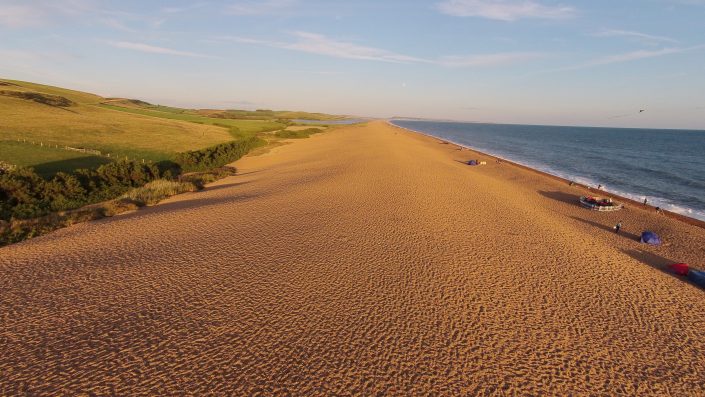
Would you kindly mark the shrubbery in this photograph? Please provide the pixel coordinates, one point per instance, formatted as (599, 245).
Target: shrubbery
(31, 205)
(47, 99)
(24, 194)
(297, 134)
(216, 156)
(158, 190)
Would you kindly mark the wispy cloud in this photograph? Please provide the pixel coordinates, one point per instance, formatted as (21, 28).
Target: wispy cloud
(486, 60)
(32, 13)
(322, 45)
(190, 7)
(16, 16)
(154, 49)
(632, 56)
(263, 7)
(504, 10)
(319, 44)
(42, 13)
(643, 37)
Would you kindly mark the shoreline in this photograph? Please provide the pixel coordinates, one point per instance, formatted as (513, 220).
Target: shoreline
(586, 188)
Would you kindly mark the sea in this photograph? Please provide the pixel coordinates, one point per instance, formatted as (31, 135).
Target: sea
(667, 167)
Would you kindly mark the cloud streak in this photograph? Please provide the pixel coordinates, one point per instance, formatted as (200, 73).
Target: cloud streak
(632, 56)
(651, 39)
(33, 13)
(318, 44)
(504, 10)
(487, 60)
(142, 47)
(263, 7)
(17, 16)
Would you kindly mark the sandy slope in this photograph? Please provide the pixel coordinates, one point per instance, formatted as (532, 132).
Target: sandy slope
(362, 261)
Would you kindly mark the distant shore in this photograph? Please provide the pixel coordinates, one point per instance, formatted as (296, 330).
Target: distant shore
(588, 190)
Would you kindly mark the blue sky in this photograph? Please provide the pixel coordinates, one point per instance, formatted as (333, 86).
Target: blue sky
(507, 61)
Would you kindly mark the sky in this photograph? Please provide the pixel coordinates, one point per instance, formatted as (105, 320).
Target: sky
(592, 63)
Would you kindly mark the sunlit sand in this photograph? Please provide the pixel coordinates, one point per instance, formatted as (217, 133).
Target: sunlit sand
(367, 260)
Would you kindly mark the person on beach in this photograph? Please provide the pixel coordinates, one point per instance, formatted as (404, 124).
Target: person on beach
(645, 201)
(617, 227)
(599, 187)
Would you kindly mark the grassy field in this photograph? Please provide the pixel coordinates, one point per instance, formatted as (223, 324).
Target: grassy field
(86, 124)
(46, 160)
(244, 127)
(123, 128)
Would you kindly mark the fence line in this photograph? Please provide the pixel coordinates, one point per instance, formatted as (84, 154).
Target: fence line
(94, 152)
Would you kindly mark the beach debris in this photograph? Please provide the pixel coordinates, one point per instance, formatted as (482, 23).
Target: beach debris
(680, 269)
(697, 277)
(650, 238)
(641, 110)
(599, 204)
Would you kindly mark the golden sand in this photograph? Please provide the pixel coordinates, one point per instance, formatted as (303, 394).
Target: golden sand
(364, 261)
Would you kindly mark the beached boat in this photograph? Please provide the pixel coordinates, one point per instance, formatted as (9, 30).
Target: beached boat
(599, 204)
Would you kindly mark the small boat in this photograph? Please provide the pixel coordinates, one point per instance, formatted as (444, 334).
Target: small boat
(599, 204)
(697, 277)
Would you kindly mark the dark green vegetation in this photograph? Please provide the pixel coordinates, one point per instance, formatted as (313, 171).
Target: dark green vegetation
(217, 156)
(59, 152)
(24, 194)
(46, 99)
(31, 205)
(297, 134)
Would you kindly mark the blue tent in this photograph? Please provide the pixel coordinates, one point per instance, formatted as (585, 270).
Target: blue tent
(472, 162)
(650, 238)
(697, 277)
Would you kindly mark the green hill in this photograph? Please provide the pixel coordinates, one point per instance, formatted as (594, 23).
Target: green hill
(56, 129)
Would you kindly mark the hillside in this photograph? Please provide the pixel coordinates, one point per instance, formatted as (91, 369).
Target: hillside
(38, 123)
(85, 124)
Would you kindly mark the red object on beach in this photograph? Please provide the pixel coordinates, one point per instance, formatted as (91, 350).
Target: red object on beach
(680, 269)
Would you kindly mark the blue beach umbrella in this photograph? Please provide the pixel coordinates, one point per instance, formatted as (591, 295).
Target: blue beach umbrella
(650, 238)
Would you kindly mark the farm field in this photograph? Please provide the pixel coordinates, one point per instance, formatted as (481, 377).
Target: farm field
(46, 160)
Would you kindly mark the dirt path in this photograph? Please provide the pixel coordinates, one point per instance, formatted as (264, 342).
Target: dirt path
(362, 261)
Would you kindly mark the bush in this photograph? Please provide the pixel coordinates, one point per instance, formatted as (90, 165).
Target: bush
(24, 194)
(200, 179)
(22, 229)
(118, 206)
(291, 134)
(216, 156)
(46, 99)
(158, 190)
(6, 167)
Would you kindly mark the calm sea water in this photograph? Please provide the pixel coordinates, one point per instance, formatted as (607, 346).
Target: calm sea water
(665, 166)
